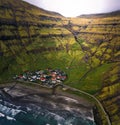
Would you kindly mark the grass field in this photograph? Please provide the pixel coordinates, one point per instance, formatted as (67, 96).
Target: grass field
(71, 63)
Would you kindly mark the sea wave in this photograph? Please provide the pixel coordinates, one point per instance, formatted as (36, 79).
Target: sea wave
(13, 114)
(10, 118)
(9, 111)
(2, 115)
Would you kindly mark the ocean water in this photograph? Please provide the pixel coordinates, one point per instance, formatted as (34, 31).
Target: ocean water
(31, 114)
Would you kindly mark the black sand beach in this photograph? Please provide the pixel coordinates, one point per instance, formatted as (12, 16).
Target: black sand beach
(39, 101)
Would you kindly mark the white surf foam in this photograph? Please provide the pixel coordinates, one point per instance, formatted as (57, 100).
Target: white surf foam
(10, 118)
(90, 118)
(7, 117)
(9, 111)
(2, 115)
(58, 118)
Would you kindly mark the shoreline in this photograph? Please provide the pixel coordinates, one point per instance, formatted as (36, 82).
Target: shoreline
(22, 94)
(37, 89)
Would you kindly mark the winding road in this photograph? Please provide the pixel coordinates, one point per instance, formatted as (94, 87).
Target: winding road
(93, 97)
(73, 89)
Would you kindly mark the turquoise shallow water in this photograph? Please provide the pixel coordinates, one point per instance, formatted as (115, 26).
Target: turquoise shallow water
(22, 114)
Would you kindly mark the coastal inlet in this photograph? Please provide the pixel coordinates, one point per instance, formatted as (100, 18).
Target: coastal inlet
(23, 105)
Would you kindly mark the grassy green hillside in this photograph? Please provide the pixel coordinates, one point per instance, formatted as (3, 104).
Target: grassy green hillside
(86, 48)
(99, 39)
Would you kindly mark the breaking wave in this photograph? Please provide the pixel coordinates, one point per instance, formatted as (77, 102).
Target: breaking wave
(12, 114)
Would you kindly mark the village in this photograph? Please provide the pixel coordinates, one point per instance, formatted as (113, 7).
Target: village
(46, 77)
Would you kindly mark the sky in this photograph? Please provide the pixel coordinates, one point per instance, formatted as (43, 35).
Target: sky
(73, 8)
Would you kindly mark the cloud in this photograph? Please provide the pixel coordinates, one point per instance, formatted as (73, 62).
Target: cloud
(112, 5)
(77, 7)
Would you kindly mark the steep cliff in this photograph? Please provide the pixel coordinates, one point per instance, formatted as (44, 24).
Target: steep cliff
(87, 48)
(101, 45)
(26, 33)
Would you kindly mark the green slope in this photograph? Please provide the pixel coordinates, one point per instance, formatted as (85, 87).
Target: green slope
(87, 49)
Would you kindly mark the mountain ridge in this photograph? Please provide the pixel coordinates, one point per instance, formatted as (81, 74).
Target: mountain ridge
(87, 49)
(49, 12)
(102, 15)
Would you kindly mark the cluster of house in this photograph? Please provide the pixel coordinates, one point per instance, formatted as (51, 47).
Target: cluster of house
(46, 77)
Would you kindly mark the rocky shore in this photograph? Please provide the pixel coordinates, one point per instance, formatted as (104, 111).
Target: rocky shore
(42, 104)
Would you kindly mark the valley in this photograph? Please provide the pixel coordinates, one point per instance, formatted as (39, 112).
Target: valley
(86, 48)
